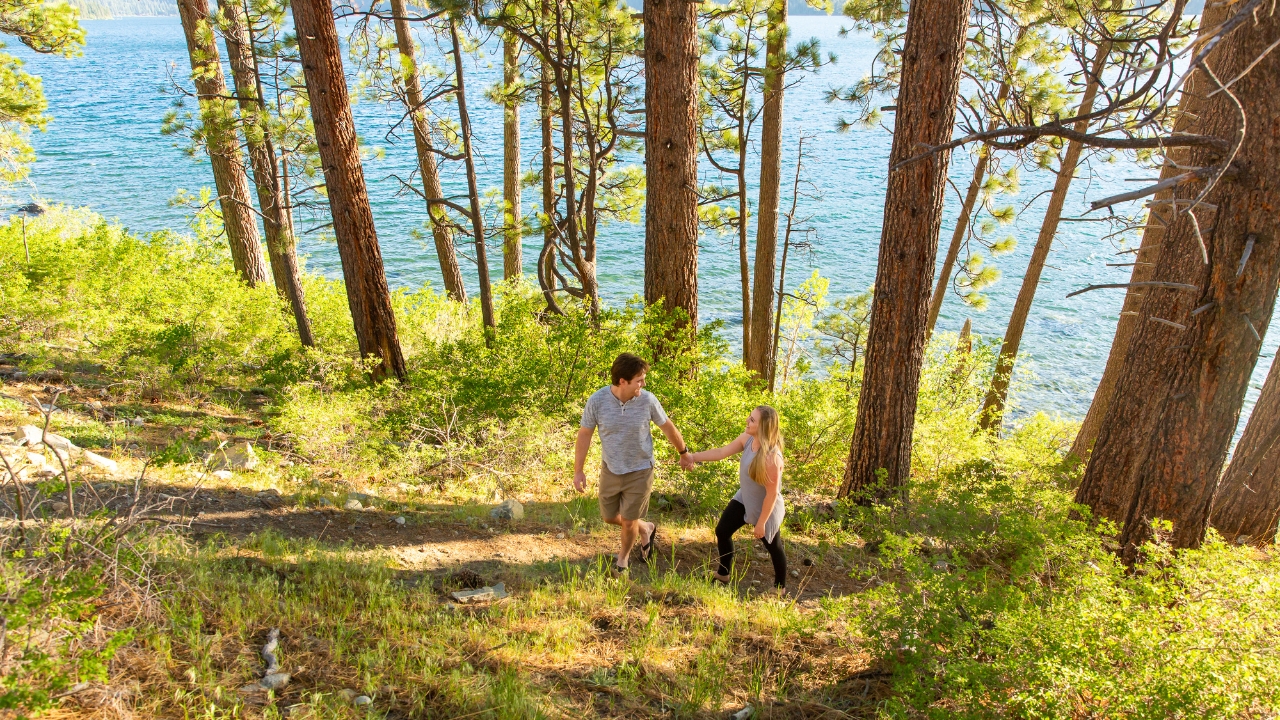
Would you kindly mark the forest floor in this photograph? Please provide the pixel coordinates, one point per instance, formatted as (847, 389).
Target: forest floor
(430, 550)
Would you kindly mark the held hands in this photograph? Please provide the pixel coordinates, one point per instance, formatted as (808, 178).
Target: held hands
(686, 461)
(579, 480)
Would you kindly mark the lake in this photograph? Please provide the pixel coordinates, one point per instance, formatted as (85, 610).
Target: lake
(104, 150)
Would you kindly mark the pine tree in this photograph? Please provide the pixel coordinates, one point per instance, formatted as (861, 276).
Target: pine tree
(1246, 505)
(368, 296)
(217, 114)
(933, 51)
(671, 156)
(281, 247)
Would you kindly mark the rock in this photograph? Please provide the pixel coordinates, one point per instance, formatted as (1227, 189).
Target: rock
(235, 457)
(33, 435)
(941, 566)
(275, 681)
(559, 536)
(400, 520)
(808, 562)
(137, 421)
(222, 474)
(795, 573)
(1242, 539)
(324, 502)
(509, 509)
(362, 700)
(36, 459)
(59, 508)
(353, 505)
(347, 694)
(743, 714)
(100, 462)
(363, 498)
(488, 592)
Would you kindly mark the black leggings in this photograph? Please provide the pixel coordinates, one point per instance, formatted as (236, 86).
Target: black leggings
(733, 518)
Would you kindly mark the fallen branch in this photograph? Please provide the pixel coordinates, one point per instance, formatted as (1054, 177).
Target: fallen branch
(1106, 286)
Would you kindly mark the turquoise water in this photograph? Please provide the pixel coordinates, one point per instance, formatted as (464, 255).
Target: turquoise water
(104, 150)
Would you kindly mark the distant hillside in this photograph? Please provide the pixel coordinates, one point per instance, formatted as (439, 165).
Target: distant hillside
(107, 9)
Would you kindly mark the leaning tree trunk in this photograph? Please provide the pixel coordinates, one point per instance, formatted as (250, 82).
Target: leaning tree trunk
(217, 114)
(993, 406)
(473, 186)
(428, 168)
(1246, 505)
(281, 247)
(512, 260)
(671, 162)
(367, 293)
(931, 61)
(1216, 352)
(1127, 417)
(962, 222)
(761, 355)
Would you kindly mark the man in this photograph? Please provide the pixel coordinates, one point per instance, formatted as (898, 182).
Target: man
(622, 413)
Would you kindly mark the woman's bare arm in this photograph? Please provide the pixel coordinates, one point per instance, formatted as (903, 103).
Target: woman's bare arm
(720, 453)
(772, 479)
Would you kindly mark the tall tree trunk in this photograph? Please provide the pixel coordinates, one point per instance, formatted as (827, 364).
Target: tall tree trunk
(512, 258)
(547, 258)
(1246, 505)
(281, 247)
(931, 60)
(1215, 355)
(993, 405)
(770, 190)
(671, 162)
(1132, 382)
(428, 168)
(217, 115)
(473, 186)
(367, 293)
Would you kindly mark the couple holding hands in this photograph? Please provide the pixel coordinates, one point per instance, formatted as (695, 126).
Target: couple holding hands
(621, 413)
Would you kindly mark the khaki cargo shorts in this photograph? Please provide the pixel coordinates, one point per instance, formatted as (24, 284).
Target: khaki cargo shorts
(626, 495)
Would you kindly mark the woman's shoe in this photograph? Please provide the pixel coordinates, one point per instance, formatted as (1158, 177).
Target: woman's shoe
(720, 579)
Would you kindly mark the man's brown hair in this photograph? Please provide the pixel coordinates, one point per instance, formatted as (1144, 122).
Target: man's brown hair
(627, 367)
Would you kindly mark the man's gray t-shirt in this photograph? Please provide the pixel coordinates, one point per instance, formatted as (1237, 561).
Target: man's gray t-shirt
(625, 439)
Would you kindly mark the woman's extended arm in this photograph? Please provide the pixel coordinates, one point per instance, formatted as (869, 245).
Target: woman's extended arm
(772, 478)
(720, 453)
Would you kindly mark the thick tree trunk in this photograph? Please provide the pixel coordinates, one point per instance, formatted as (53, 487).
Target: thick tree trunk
(1132, 383)
(473, 186)
(281, 247)
(217, 115)
(367, 293)
(671, 162)
(993, 406)
(761, 355)
(1246, 505)
(931, 60)
(512, 258)
(1215, 355)
(428, 168)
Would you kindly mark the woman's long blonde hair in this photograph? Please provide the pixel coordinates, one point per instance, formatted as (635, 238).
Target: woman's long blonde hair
(769, 435)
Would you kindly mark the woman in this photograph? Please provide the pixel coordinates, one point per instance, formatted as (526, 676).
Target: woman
(757, 501)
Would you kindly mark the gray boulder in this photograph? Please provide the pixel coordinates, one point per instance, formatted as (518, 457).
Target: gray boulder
(509, 509)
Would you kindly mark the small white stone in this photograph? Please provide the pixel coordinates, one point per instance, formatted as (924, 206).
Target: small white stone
(559, 536)
(362, 700)
(795, 573)
(100, 462)
(400, 520)
(137, 421)
(353, 504)
(222, 474)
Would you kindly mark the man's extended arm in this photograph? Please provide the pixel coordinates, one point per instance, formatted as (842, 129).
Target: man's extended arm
(673, 435)
(580, 448)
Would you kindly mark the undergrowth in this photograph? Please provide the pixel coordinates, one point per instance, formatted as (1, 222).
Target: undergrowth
(979, 596)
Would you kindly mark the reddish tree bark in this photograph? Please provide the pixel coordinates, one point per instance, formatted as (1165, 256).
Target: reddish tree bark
(367, 293)
(281, 247)
(217, 115)
(1137, 382)
(931, 61)
(512, 255)
(671, 155)
(1246, 504)
(1216, 354)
